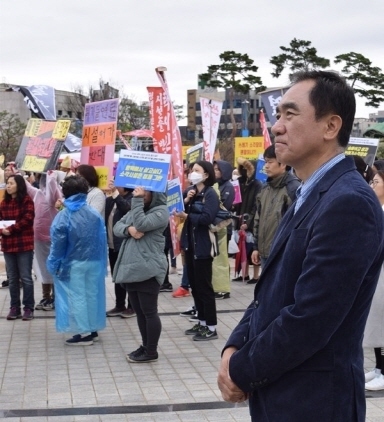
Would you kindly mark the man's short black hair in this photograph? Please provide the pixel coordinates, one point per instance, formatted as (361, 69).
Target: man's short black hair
(331, 95)
(74, 185)
(270, 152)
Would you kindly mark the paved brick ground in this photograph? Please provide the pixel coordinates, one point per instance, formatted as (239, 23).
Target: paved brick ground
(41, 379)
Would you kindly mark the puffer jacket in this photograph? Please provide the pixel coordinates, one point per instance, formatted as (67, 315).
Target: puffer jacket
(142, 259)
(202, 210)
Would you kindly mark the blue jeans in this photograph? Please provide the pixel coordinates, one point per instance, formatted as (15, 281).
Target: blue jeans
(19, 267)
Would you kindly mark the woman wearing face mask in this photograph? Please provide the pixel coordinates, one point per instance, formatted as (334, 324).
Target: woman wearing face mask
(201, 207)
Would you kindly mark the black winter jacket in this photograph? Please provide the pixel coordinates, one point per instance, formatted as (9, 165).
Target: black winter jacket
(202, 210)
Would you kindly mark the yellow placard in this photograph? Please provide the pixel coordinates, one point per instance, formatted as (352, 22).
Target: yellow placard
(184, 149)
(33, 127)
(2, 192)
(61, 129)
(103, 173)
(249, 148)
(33, 163)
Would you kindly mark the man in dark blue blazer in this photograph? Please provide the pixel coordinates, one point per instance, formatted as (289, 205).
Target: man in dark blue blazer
(297, 352)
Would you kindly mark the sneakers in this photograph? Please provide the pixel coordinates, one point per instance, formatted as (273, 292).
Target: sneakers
(376, 384)
(14, 313)
(40, 305)
(137, 352)
(205, 334)
(369, 376)
(166, 287)
(253, 281)
(79, 340)
(189, 312)
(142, 357)
(222, 295)
(115, 312)
(240, 278)
(173, 270)
(4, 284)
(49, 305)
(128, 313)
(181, 292)
(194, 330)
(95, 336)
(28, 314)
(194, 318)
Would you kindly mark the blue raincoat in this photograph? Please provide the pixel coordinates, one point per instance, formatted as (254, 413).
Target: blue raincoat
(78, 262)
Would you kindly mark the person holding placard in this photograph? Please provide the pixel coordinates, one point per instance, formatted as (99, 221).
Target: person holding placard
(17, 244)
(44, 199)
(141, 265)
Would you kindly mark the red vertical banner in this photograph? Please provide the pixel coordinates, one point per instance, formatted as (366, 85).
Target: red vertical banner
(263, 123)
(166, 136)
(160, 111)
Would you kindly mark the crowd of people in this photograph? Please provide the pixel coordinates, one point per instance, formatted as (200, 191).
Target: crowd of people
(313, 233)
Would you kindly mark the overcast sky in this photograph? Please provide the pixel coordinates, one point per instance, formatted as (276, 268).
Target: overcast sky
(76, 42)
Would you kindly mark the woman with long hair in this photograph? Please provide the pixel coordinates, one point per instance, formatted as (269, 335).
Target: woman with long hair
(95, 196)
(17, 242)
(200, 246)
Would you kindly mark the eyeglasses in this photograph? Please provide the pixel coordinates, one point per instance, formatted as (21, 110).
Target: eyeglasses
(374, 182)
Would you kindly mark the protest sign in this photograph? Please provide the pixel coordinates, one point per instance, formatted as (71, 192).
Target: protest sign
(174, 196)
(236, 186)
(99, 135)
(184, 150)
(41, 145)
(366, 148)
(249, 148)
(260, 172)
(195, 153)
(141, 168)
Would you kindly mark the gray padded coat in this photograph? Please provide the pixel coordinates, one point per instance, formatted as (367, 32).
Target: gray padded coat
(142, 259)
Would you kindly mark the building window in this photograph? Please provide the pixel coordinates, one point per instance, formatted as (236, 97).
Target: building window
(59, 112)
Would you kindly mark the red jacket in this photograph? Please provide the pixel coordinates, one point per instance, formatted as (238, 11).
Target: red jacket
(21, 233)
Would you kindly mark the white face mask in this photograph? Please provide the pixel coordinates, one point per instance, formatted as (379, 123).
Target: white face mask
(235, 177)
(195, 177)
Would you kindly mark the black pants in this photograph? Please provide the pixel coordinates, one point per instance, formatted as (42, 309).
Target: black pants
(120, 292)
(200, 279)
(143, 296)
(166, 278)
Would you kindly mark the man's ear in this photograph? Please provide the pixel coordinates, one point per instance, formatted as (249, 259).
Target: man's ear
(333, 126)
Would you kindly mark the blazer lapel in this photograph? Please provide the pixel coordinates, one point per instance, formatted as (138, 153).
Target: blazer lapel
(292, 221)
